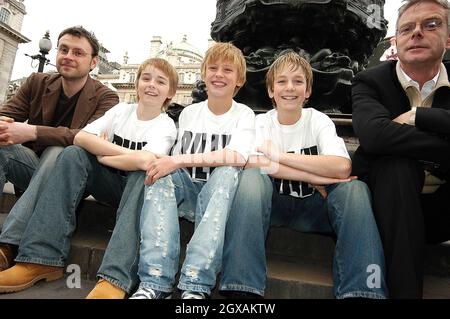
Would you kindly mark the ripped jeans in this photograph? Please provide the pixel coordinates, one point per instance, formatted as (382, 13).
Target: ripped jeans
(206, 203)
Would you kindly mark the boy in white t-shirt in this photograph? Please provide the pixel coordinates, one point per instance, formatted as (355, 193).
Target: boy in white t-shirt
(215, 134)
(299, 148)
(127, 138)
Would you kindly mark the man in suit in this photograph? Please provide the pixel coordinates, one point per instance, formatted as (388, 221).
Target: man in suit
(401, 114)
(55, 107)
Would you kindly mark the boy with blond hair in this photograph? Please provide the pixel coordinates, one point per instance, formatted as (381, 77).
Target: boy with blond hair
(198, 183)
(299, 148)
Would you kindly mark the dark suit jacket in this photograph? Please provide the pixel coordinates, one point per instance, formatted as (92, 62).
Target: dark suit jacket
(36, 101)
(378, 98)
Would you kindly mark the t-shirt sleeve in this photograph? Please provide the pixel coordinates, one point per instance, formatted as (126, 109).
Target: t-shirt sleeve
(162, 138)
(328, 140)
(104, 124)
(243, 136)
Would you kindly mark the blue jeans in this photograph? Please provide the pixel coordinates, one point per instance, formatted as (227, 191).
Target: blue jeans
(76, 174)
(120, 262)
(22, 167)
(244, 257)
(177, 195)
(346, 212)
(358, 263)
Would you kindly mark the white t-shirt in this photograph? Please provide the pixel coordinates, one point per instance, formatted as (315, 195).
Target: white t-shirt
(201, 131)
(126, 130)
(313, 134)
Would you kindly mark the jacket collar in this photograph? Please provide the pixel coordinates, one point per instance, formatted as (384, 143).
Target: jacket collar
(50, 99)
(86, 102)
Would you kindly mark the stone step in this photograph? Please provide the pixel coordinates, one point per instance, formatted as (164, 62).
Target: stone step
(287, 279)
(299, 265)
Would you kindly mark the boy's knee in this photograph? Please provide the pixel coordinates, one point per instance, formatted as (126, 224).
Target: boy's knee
(72, 151)
(162, 183)
(355, 188)
(252, 182)
(226, 172)
(136, 177)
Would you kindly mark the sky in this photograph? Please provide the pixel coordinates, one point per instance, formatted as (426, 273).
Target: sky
(125, 26)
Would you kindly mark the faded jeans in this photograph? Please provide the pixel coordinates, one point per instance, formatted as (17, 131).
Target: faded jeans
(28, 172)
(76, 174)
(346, 213)
(206, 203)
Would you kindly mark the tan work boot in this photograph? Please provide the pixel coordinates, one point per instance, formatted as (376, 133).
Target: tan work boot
(106, 290)
(6, 257)
(24, 275)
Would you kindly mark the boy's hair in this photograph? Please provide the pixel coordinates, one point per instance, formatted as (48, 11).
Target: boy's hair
(409, 3)
(294, 61)
(226, 51)
(166, 68)
(79, 31)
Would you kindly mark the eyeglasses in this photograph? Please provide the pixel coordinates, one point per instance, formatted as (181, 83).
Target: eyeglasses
(426, 25)
(75, 52)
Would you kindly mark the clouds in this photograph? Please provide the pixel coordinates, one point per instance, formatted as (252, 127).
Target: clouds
(124, 25)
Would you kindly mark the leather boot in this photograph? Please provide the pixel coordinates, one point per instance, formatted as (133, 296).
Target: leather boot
(24, 275)
(106, 290)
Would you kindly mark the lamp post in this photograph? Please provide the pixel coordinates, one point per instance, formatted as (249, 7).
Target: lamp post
(45, 45)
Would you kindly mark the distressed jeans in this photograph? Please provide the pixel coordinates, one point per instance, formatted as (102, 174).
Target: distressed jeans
(206, 203)
(28, 172)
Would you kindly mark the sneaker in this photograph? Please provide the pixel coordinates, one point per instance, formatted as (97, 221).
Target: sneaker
(149, 293)
(193, 295)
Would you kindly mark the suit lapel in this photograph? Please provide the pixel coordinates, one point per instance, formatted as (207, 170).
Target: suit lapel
(442, 98)
(85, 105)
(50, 101)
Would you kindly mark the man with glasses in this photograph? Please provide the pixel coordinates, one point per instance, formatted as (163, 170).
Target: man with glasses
(55, 107)
(401, 114)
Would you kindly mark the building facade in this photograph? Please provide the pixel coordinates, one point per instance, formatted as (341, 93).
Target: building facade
(12, 13)
(183, 56)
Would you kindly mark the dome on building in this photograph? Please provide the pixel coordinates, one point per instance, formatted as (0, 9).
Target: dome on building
(182, 49)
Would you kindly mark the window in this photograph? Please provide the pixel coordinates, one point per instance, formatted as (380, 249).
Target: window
(132, 98)
(4, 15)
(181, 77)
(132, 77)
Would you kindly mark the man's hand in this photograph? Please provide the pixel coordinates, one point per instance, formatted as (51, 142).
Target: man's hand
(16, 133)
(403, 118)
(159, 168)
(6, 119)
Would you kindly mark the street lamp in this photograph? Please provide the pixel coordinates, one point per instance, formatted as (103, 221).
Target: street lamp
(45, 45)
